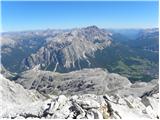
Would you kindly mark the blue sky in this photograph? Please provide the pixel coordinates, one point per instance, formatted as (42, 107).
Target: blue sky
(30, 15)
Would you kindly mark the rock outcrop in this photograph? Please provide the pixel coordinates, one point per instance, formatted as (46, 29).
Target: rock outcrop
(86, 81)
(24, 104)
(96, 81)
(17, 102)
(7, 74)
(13, 94)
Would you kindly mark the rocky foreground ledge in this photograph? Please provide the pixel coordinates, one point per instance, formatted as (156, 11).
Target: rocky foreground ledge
(17, 102)
(87, 106)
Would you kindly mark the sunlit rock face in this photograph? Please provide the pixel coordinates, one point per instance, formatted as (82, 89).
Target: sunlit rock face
(22, 103)
(69, 50)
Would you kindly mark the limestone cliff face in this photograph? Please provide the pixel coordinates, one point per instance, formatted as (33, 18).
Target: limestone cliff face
(67, 50)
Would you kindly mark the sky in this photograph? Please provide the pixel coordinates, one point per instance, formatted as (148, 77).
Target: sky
(30, 15)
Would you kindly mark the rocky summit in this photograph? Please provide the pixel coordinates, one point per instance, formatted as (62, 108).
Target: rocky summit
(17, 102)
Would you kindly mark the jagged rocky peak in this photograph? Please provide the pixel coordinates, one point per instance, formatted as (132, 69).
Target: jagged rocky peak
(66, 51)
(93, 27)
(95, 34)
(90, 33)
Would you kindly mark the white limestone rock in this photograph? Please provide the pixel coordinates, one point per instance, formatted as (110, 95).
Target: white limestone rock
(17, 102)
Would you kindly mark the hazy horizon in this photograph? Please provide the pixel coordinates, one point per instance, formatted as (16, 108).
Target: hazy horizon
(43, 29)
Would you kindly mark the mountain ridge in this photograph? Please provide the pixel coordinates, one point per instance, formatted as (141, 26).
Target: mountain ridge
(90, 47)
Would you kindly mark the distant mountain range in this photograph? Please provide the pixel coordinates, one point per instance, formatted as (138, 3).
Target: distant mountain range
(131, 53)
